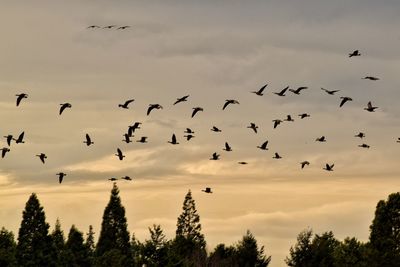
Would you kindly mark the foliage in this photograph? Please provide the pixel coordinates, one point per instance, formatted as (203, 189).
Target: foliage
(7, 248)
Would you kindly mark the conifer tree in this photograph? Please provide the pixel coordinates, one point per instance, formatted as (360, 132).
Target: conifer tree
(34, 243)
(76, 250)
(154, 251)
(248, 253)
(58, 239)
(7, 249)
(90, 244)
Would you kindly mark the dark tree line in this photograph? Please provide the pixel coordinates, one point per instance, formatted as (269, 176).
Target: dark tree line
(115, 247)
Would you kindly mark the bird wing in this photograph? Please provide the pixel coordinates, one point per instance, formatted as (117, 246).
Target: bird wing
(342, 102)
(42, 157)
(21, 137)
(88, 140)
(194, 112)
(227, 147)
(3, 152)
(173, 138)
(369, 104)
(262, 89)
(19, 98)
(63, 106)
(128, 102)
(149, 109)
(226, 104)
(264, 145)
(119, 152)
(284, 90)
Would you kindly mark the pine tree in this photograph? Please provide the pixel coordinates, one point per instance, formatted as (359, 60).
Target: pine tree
(154, 250)
(7, 249)
(34, 243)
(249, 254)
(76, 250)
(223, 256)
(90, 244)
(58, 239)
(113, 244)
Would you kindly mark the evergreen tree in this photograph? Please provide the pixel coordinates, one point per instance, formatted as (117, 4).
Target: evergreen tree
(90, 244)
(385, 232)
(154, 251)
(351, 253)
(301, 254)
(76, 250)
(248, 253)
(323, 250)
(223, 256)
(7, 249)
(58, 239)
(34, 243)
(114, 236)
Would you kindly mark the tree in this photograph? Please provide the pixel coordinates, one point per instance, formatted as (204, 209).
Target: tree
(76, 250)
(351, 253)
(154, 251)
(223, 256)
(7, 249)
(248, 253)
(58, 239)
(114, 235)
(34, 243)
(301, 254)
(385, 232)
(90, 244)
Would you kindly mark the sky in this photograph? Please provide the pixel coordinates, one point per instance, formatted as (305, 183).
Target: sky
(212, 51)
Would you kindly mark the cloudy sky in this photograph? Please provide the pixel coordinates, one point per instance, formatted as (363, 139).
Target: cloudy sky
(212, 51)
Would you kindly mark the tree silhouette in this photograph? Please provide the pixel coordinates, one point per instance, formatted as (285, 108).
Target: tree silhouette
(58, 239)
(223, 256)
(7, 249)
(248, 253)
(76, 250)
(90, 243)
(154, 251)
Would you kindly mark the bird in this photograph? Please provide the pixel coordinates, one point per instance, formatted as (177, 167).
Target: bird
(42, 157)
(9, 139)
(123, 27)
(360, 134)
(189, 136)
(277, 156)
(119, 154)
(125, 105)
(298, 90)
(372, 78)
(227, 147)
(109, 26)
(93, 27)
(126, 178)
(330, 92)
(242, 162)
(207, 190)
(370, 108)
(282, 93)
(88, 140)
(132, 129)
(344, 100)
(253, 126)
(20, 138)
(263, 146)
(288, 118)
(329, 167)
(64, 106)
(229, 101)
(304, 163)
(398, 140)
(215, 129)
(304, 115)
(61, 176)
(20, 97)
(4, 150)
(143, 139)
(355, 53)
(127, 138)
(364, 146)
(113, 179)
(173, 140)
(276, 123)
(181, 99)
(153, 106)
(321, 139)
(260, 91)
(195, 110)
(215, 156)
(189, 131)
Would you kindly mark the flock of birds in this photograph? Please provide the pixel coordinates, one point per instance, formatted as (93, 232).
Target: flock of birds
(189, 133)
(109, 27)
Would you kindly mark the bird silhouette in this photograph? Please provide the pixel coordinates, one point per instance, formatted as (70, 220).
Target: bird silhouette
(109, 26)
(64, 106)
(227, 147)
(207, 190)
(330, 92)
(173, 140)
(20, 97)
(304, 163)
(127, 138)
(364, 146)
(127, 178)
(372, 78)
(119, 154)
(260, 91)
(123, 27)
(181, 99)
(228, 102)
(215, 156)
(298, 90)
(4, 150)
(288, 118)
(242, 162)
(304, 115)
(188, 131)
(276, 123)
(282, 93)
(215, 129)
(9, 139)
(398, 140)
(355, 53)
(188, 136)
(370, 108)
(132, 129)
(61, 176)
(253, 126)
(277, 156)
(321, 139)
(143, 139)
(263, 146)
(344, 100)
(88, 140)
(360, 134)
(94, 27)
(153, 106)
(125, 105)
(329, 167)
(113, 179)
(20, 138)
(195, 110)
(42, 157)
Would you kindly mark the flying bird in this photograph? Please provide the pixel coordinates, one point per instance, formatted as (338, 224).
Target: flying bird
(263, 146)
(370, 108)
(125, 105)
(113, 179)
(304, 115)
(188, 131)
(253, 126)
(61, 176)
(277, 156)
(9, 139)
(304, 163)
(230, 101)
(282, 93)
(260, 91)
(181, 99)
(119, 154)
(132, 129)
(215, 129)
(93, 27)
(330, 92)
(123, 27)
(173, 140)
(64, 106)
(42, 157)
(355, 53)
(126, 178)
(4, 150)
(153, 106)
(298, 90)
(207, 190)
(364, 146)
(20, 138)
(127, 138)
(195, 110)
(288, 118)
(344, 100)
(242, 162)
(88, 140)
(227, 147)
(329, 167)
(215, 156)
(20, 97)
(189, 136)
(360, 134)
(372, 78)
(276, 123)
(321, 139)
(143, 139)
(109, 26)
